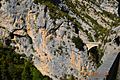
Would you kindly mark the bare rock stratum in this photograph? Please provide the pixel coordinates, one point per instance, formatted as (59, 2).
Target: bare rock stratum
(62, 37)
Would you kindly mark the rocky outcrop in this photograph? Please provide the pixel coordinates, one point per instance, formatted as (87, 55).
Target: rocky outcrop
(58, 41)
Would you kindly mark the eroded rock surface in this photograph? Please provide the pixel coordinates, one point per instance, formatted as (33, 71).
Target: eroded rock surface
(59, 45)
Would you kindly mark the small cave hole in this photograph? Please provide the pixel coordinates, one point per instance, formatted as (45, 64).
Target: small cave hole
(0, 5)
(117, 40)
(18, 3)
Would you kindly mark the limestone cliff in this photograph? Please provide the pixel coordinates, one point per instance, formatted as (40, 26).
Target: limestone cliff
(61, 35)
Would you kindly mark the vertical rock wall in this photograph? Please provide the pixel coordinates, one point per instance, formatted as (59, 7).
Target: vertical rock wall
(58, 45)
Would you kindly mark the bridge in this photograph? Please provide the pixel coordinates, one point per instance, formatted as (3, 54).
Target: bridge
(91, 44)
(108, 69)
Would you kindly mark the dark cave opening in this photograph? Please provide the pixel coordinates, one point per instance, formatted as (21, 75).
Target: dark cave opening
(118, 7)
(0, 5)
(117, 40)
(76, 29)
(94, 54)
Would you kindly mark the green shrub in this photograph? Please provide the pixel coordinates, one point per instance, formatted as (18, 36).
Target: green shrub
(14, 66)
(78, 43)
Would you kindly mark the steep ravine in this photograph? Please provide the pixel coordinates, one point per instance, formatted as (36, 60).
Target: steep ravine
(65, 37)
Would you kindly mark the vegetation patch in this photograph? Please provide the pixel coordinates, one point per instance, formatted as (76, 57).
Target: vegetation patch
(54, 9)
(14, 66)
(78, 43)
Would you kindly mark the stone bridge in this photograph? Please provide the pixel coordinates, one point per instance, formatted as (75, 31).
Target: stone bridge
(109, 68)
(91, 44)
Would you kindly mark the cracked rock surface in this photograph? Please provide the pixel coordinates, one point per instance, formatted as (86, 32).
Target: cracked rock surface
(59, 45)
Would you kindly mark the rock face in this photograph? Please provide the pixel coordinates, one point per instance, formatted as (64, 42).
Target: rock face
(58, 39)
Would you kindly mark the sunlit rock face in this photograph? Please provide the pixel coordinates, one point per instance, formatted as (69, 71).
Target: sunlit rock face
(58, 45)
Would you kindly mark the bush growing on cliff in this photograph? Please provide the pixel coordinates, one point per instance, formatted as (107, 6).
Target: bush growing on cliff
(78, 43)
(14, 66)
